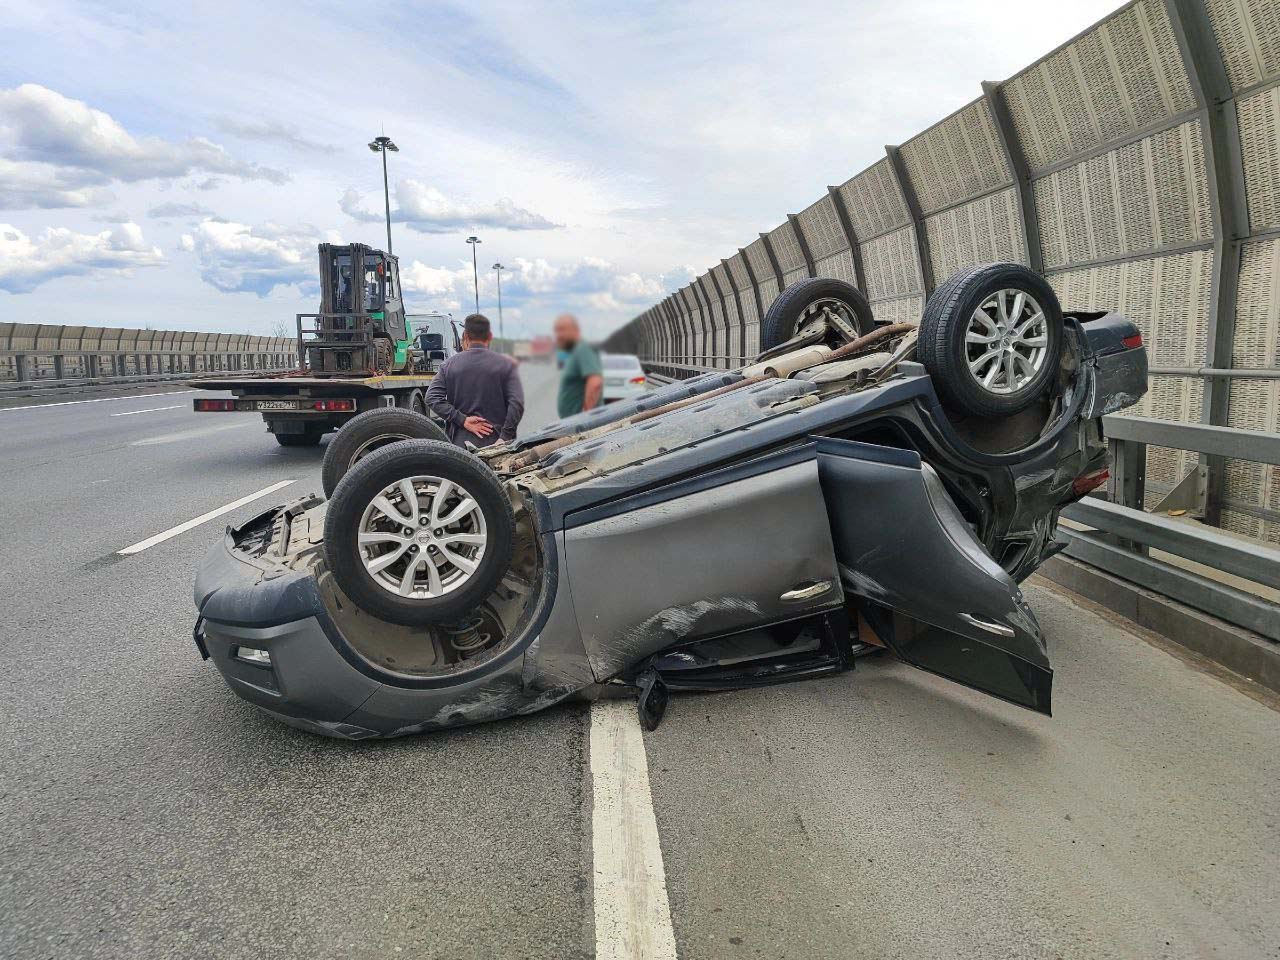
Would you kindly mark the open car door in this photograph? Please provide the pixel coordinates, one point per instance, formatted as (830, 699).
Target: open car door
(935, 595)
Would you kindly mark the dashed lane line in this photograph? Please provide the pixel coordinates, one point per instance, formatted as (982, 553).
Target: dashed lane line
(70, 403)
(130, 413)
(150, 542)
(632, 912)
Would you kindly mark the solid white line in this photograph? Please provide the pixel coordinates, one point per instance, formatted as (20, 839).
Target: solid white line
(130, 413)
(203, 518)
(68, 403)
(633, 915)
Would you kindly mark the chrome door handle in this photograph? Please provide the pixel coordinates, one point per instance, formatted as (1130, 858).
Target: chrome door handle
(806, 591)
(999, 629)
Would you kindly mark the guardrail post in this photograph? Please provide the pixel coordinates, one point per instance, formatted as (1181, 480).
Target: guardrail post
(917, 219)
(804, 244)
(1224, 165)
(1021, 172)
(846, 224)
(742, 320)
(1128, 479)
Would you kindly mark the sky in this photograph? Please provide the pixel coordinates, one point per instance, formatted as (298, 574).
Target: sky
(175, 165)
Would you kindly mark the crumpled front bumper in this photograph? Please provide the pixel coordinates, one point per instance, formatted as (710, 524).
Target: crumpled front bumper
(318, 681)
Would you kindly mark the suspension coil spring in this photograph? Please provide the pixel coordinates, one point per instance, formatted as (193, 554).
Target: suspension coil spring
(465, 636)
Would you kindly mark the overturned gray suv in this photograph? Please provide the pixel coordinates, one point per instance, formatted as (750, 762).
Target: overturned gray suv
(858, 487)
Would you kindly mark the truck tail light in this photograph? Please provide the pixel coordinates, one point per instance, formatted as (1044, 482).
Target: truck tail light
(334, 406)
(636, 380)
(1090, 481)
(209, 406)
(1133, 341)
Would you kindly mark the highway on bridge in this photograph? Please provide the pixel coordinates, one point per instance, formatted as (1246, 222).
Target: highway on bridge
(145, 811)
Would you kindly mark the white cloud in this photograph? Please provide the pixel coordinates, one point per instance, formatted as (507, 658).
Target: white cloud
(59, 152)
(271, 131)
(427, 210)
(238, 258)
(26, 262)
(172, 209)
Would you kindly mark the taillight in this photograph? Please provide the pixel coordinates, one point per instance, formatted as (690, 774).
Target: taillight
(334, 406)
(636, 380)
(206, 406)
(1133, 341)
(1090, 481)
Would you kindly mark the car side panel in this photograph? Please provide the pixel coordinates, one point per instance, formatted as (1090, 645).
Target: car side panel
(702, 563)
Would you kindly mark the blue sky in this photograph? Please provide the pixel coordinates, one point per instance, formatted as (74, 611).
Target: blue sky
(176, 164)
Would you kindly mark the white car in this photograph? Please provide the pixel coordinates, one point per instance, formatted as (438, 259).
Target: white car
(623, 376)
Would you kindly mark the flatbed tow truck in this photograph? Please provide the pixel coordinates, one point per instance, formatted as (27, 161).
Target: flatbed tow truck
(361, 351)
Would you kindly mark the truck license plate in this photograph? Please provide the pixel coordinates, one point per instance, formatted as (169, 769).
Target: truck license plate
(277, 404)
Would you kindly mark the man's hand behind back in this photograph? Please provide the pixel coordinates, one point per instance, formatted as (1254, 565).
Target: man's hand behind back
(477, 425)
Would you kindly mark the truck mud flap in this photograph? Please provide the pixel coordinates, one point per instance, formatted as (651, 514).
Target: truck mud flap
(934, 594)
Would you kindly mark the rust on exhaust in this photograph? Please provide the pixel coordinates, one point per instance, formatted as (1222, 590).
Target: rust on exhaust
(875, 336)
(690, 401)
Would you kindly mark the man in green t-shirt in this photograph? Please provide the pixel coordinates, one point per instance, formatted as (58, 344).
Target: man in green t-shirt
(581, 378)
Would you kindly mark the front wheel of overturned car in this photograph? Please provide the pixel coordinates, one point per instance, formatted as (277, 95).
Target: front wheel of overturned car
(369, 431)
(816, 310)
(419, 532)
(991, 339)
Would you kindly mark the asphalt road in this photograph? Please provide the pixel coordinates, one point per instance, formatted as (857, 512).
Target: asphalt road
(145, 811)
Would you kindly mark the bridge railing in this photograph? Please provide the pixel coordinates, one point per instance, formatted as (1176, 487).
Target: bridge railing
(34, 355)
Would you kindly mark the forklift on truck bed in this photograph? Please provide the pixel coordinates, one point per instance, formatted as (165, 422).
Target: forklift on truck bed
(360, 329)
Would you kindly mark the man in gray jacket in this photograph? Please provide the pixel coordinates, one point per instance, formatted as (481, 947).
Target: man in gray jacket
(477, 392)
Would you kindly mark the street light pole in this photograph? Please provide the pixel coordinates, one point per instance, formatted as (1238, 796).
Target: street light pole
(382, 145)
(475, 274)
(497, 269)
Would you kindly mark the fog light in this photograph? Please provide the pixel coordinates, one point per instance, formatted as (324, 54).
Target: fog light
(254, 655)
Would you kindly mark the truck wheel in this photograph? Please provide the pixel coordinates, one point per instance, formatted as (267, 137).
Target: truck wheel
(824, 308)
(991, 339)
(419, 532)
(368, 431)
(417, 404)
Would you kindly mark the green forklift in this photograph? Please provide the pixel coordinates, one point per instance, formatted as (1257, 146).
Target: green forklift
(360, 329)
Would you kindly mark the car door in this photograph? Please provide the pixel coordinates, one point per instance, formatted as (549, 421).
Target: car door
(734, 548)
(934, 594)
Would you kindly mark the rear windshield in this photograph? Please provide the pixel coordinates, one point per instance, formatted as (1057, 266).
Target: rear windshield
(620, 361)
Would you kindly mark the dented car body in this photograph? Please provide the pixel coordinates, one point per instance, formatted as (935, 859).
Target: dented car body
(738, 528)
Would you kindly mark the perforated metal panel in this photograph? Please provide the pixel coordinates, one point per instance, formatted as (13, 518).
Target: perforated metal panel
(892, 265)
(1123, 75)
(1149, 194)
(1255, 404)
(959, 158)
(903, 310)
(985, 230)
(839, 265)
(1168, 298)
(786, 248)
(1248, 34)
(758, 257)
(874, 201)
(1259, 119)
(821, 228)
(738, 272)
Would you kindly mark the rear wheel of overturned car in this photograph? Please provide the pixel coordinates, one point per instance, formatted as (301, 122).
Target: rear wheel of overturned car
(991, 339)
(419, 532)
(369, 431)
(817, 310)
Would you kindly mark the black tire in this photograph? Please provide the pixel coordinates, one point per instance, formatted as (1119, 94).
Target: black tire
(368, 431)
(385, 467)
(309, 439)
(794, 303)
(944, 349)
(417, 403)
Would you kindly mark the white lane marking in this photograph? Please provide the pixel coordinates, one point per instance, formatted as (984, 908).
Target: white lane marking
(130, 413)
(203, 518)
(191, 434)
(69, 403)
(633, 915)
